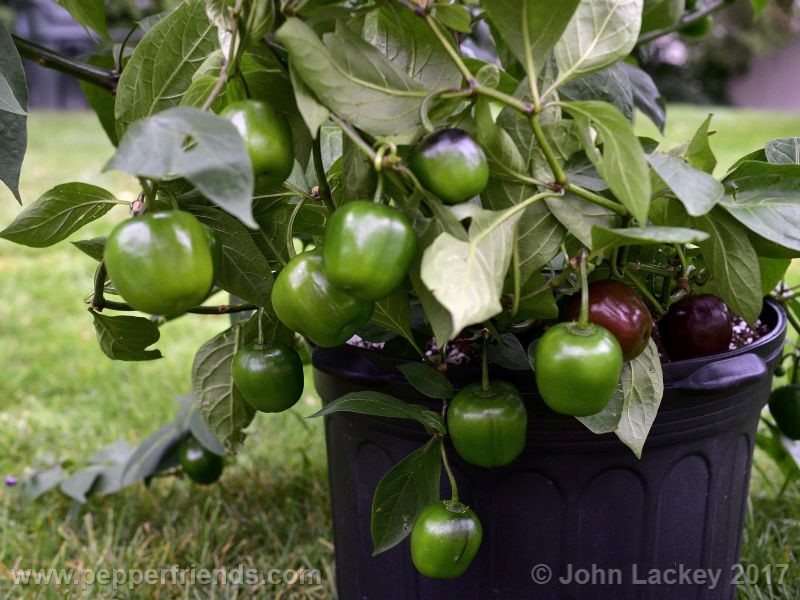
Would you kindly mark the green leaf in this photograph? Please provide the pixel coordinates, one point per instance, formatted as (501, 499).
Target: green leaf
(410, 45)
(383, 405)
(772, 270)
(467, 277)
(505, 160)
(427, 380)
(221, 404)
(733, 264)
(58, 214)
(600, 33)
(403, 492)
(79, 485)
(454, 16)
(214, 159)
(539, 232)
(578, 216)
(758, 6)
(611, 85)
(699, 153)
(765, 198)
(126, 337)
(604, 240)
(394, 313)
(646, 96)
(642, 390)
(100, 99)
(537, 300)
(509, 353)
(531, 28)
(698, 191)
(203, 434)
(91, 14)
(244, 270)
(94, 248)
(13, 125)
(785, 151)
(622, 162)
(313, 111)
(144, 461)
(160, 70)
(354, 80)
(8, 100)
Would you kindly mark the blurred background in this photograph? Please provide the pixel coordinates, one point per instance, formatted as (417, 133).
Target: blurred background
(61, 399)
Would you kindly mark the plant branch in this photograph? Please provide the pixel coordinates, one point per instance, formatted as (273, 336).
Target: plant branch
(544, 144)
(434, 27)
(597, 199)
(687, 19)
(53, 60)
(223, 309)
(348, 130)
(449, 471)
(322, 179)
(646, 293)
(526, 108)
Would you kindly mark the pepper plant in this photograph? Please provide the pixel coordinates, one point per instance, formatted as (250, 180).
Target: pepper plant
(431, 176)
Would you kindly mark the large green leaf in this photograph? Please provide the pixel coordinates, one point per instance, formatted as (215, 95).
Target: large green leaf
(698, 191)
(382, 405)
(13, 124)
(403, 492)
(59, 213)
(578, 216)
(161, 68)
(765, 198)
(612, 84)
(215, 159)
(91, 14)
(126, 337)
(785, 151)
(427, 380)
(642, 390)
(646, 96)
(467, 277)
(622, 162)
(600, 33)
(411, 47)
(607, 239)
(355, 80)
(539, 233)
(531, 28)
(221, 404)
(244, 271)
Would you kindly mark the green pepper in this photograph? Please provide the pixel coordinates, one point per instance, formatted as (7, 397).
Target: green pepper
(269, 375)
(161, 263)
(198, 462)
(368, 249)
(577, 368)
(267, 137)
(784, 404)
(306, 302)
(444, 539)
(452, 165)
(488, 428)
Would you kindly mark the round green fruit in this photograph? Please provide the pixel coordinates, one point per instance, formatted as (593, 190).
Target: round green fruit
(161, 263)
(269, 376)
(577, 368)
(784, 404)
(444, 540)
(199, 463)
(452, 165)
(368, 249)
(488, 429)
(267, 137)
(306, 302)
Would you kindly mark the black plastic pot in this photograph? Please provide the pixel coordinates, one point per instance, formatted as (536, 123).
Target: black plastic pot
(573, 502)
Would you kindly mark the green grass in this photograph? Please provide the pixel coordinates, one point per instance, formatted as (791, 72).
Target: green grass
(61, 398)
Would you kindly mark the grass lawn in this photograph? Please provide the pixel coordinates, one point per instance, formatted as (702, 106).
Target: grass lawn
(60, 397)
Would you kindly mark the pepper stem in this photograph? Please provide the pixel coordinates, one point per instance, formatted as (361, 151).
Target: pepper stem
(583, 319)
(449, 471)
(485, 363)
(260, 341)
